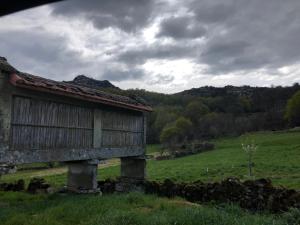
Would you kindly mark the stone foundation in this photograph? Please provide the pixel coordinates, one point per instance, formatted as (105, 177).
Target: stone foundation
(6, 169)
(133, 173)
(82, 176)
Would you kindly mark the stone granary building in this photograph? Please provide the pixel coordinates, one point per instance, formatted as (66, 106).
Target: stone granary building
(42, 120)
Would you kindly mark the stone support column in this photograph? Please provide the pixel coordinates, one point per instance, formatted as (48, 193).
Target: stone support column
(82, 176)
(133, 174)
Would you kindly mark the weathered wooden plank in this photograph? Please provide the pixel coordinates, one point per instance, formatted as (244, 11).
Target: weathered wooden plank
(38, 124)
(97, 128)
(122, 129)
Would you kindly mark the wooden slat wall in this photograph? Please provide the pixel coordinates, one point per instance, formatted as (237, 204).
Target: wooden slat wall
(120, 129)
(38, 124)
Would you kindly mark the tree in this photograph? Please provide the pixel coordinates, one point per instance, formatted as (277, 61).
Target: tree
(184, 127)
(292, 112)
(245, 103)
(195, 110)
(169, 136)
(174, 133)
(163, 118)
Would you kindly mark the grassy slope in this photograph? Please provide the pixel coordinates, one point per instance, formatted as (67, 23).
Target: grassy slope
(277, 157)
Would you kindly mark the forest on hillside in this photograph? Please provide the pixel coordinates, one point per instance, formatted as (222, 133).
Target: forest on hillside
(208, 112)
(216, 112)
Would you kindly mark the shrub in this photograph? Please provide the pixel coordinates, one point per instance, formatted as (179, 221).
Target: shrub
(292, 112)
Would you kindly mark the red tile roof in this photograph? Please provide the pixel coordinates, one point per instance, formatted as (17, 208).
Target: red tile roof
(28, 81)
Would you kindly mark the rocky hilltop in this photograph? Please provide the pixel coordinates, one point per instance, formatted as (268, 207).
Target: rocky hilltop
(91, 83)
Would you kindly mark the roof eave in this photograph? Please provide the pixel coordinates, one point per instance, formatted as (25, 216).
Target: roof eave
(17, 81)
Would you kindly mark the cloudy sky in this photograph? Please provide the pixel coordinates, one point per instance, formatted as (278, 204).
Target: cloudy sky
(159, 45)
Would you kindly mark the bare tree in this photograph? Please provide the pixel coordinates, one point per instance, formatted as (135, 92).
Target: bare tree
(250, 148)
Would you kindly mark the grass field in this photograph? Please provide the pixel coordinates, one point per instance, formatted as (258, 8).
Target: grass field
(131, 209)
(277, 158)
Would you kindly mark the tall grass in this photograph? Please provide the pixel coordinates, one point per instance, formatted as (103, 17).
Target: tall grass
(128, 209)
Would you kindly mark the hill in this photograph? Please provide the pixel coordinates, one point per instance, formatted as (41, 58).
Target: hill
(91, 83)
(230, 110)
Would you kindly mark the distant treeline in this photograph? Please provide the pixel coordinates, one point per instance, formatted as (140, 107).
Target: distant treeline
(215, 112)
(210, 112)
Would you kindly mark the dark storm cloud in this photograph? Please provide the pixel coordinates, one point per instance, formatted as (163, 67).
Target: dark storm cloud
(227, 56)
(240, 35)
(47, 55)
(122, 75)
(249, 35)
(157, 51)
(181, 27)
(39, 51)
(225, 35)
(231, 57)
(127, 15)
(213, 11)
(223, 49)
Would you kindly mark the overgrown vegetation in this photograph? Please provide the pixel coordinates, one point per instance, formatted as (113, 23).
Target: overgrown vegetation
(19, 208)
(293, 110)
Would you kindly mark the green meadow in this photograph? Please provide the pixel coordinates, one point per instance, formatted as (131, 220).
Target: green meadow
(277, 157)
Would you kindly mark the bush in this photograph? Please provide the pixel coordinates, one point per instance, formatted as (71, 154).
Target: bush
(292, 113)
(187, 149)
(178, 132)
(169, 136)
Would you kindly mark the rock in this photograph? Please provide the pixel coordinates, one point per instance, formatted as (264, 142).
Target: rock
(254, 195)
(17, 186)
(126, 184)
(107, 186)
(92, 83)
(37, 185)
(163, 157)
(6, 169)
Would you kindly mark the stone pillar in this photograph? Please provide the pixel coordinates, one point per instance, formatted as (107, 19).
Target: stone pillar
(133, 167)
(133, 173)
(82, 176)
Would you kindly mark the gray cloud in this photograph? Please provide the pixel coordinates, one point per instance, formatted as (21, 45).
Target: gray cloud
(157, 51)
(240, 35)
(181, 28)
(223, 49)
(161, 79)
(229, 55)
(213, 11)
(249, 35)
(44, 54)
(40, 52)
(127, 15)
(227, 36)
(123, 74)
